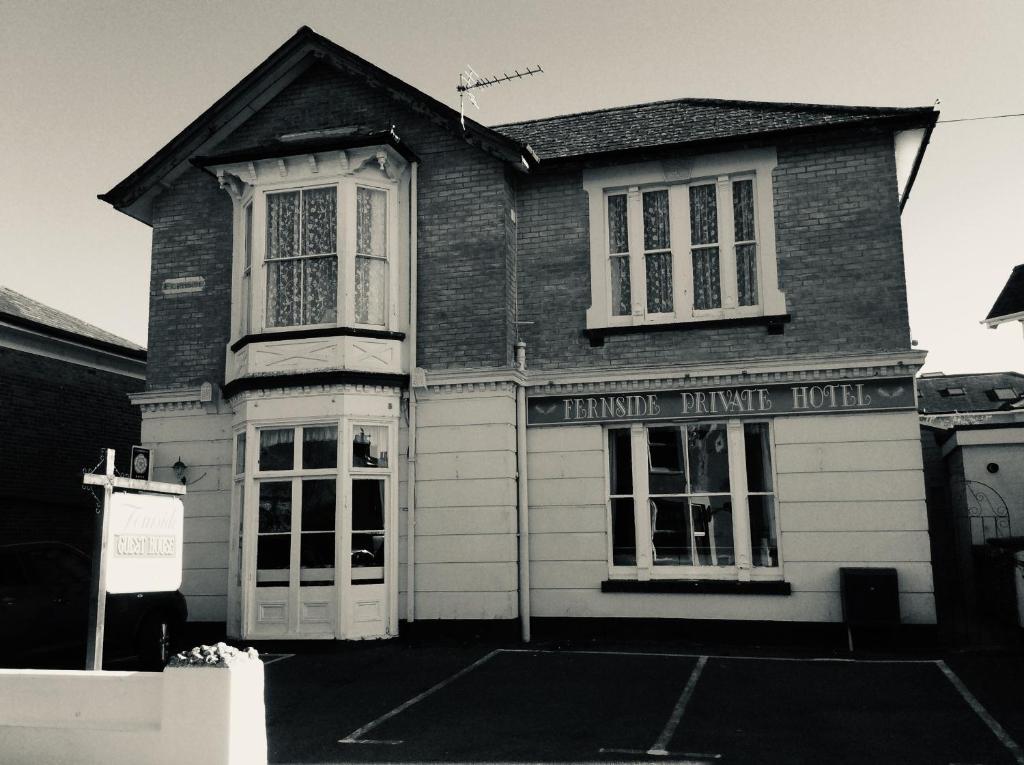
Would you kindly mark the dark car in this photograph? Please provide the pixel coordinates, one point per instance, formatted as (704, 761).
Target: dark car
(44, 612)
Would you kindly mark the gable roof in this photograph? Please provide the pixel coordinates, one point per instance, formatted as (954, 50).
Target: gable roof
(1009, 306)
(25, 312)
(934, 395)
(134, 194)
(662, 124)
(694, 122)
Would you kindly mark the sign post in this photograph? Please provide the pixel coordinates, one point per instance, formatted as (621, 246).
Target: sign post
(130, 517)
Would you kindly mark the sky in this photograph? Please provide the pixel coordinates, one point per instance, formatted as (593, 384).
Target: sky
(90, 90)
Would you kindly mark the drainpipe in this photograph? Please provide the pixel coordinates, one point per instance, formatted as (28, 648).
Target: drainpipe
(523, 504)
(410, 521)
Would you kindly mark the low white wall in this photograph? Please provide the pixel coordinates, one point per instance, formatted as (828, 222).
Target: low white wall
(194, 715)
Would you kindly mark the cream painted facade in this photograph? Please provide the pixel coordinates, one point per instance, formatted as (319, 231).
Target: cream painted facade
(848, 487)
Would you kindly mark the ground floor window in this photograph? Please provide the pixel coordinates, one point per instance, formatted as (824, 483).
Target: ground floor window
(692, 499)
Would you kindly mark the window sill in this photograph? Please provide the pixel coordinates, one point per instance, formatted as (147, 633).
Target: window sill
(303, 334)
(698, 586)
(775, 325)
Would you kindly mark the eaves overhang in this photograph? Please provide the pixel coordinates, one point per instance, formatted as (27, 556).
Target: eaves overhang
(134, 195)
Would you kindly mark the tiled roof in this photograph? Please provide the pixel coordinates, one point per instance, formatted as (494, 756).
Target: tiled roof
(937, 394)
(18, 309)
(1011, 299)
(686, 120)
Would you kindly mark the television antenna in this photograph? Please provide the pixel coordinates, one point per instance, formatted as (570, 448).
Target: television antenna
(469, 81)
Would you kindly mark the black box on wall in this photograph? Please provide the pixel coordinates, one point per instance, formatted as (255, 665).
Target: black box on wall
(870, 596)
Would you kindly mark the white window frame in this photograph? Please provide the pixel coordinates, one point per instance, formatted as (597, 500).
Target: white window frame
(677, 176)
(249, 183)
(645, 569)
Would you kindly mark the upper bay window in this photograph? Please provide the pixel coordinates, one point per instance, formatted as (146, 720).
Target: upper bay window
(683, 241)
(317, 240)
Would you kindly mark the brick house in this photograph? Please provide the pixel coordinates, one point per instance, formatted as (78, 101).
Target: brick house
(529, 371)
(64, 388)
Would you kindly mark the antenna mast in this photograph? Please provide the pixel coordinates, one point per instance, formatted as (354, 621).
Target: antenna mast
(469, 80)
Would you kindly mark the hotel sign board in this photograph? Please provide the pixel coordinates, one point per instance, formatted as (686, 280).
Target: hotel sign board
(144, 539)
(804, 397)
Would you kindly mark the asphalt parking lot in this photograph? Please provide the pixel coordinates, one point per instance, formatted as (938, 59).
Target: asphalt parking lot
(395, 702)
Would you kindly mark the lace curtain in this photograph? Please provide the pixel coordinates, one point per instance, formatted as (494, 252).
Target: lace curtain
(302, 263)
(658, 263)
(746, 248)
(371, 255)
(618, 248)
(707, 292)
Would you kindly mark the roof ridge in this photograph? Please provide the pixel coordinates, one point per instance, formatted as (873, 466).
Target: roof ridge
(107, 335)
(723, 103)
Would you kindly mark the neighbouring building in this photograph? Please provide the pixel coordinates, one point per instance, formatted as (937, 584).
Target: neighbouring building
(972, 437)
(64, 387)
(642, 362)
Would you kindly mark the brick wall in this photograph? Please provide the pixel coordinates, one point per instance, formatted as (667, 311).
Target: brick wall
(465, 276)
(56, 419)
(839, 248)
(191, 237)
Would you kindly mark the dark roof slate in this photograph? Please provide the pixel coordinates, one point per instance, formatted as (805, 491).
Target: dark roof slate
(977, 395)
(25, 311)
(1011, 299)
(688, 120)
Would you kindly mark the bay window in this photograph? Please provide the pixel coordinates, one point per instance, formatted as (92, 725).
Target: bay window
(317, 240)
(675, 242)
(692, 500)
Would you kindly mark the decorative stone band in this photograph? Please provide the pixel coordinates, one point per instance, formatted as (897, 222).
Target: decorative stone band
(291, 391)
(798, 397)
(174, 399)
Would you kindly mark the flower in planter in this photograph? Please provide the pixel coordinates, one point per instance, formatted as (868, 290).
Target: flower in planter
(219, 655)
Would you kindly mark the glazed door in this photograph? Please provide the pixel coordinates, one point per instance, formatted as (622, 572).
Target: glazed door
(295, 593)
(365, 599)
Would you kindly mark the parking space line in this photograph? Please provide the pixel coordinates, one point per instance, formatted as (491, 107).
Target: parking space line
(1000, 733)
(354, 736)
(663, 654)
(688, 758)
(660, 747)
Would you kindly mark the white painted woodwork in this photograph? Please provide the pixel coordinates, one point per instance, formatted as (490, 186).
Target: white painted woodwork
(466, 577)
(467, 605)
(567, 491)
(569, 546)
(465, 438)
(842, 546)
(465, 492)
(565, 440)
(442, 521)
(435, 409)
(868, 485)
(207, 608)
(880, 515)
(464, 466)
(555, 519)
(314, 355)
(466, 548)
(568, 574)
(206, 528)
(204, 582)
(580, 464)
(205, 555)
(849, 456)
(842, 428)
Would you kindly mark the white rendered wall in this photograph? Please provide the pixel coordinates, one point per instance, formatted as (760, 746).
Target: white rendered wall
(201, 436)
(465, 503)
(850, 493)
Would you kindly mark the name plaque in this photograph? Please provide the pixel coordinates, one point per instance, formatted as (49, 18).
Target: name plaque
(704, 403)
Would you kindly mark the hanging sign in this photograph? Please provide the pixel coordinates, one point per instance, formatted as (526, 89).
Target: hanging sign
(709, 403)
(144, 541)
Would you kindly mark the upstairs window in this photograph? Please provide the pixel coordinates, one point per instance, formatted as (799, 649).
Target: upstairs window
(302, 257)
(317, 237)
(694, 244)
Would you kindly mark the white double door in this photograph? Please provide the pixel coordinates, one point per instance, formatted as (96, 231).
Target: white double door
(320, 542)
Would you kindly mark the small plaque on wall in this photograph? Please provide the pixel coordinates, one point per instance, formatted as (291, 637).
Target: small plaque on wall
(184, 285)
(142, 466)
